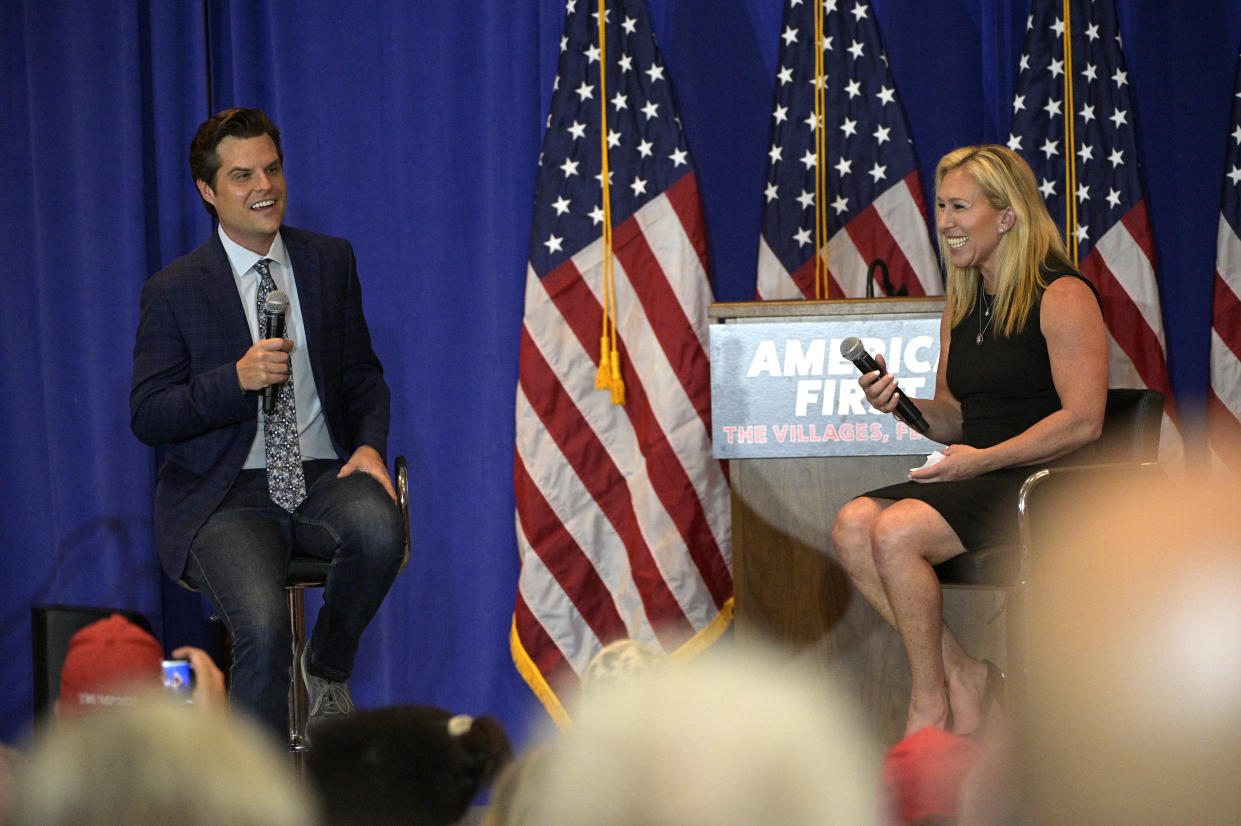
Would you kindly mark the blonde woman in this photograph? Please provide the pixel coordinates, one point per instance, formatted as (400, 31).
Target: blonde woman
(1022, 378)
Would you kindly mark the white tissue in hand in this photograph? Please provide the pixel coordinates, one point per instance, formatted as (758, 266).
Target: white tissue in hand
(932, 457)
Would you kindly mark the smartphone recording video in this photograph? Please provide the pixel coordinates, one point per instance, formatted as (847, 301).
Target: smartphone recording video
(179, 679)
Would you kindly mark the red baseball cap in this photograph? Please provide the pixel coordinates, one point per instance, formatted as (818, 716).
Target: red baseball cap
(923, 773)
(109, 663)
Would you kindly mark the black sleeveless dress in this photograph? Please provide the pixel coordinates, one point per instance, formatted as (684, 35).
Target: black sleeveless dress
(1005, 386)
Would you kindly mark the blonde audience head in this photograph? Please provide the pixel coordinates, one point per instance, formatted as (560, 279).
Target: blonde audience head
(725, 738)
(158, 762)
(617, 663)
(1134, 711)
(516, 794)
(10, 762)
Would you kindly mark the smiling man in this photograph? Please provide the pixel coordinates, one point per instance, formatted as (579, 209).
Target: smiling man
(246, 478)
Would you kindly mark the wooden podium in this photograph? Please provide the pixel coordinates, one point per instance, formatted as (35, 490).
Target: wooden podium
(789, 588)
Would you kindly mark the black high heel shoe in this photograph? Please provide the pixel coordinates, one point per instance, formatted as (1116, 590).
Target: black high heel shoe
(995, 690)
(993, 694)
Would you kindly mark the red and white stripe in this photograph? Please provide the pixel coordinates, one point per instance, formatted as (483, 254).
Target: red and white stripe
(622, 513)
(892, 228)
(1121, 267)
(1224, 400)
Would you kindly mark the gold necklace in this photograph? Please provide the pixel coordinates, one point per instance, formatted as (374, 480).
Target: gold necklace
(983, 310)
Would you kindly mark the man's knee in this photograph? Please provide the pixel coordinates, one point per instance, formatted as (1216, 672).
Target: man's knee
(373, 523)
(263, 636)
(270, 644)
(250, 599)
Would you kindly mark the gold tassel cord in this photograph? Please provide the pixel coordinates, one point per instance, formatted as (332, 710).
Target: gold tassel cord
(1070, 141)
(609, 374)
(603, 379)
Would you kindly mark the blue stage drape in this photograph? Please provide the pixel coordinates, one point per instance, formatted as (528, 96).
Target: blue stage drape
(94, 194)
(413, 129)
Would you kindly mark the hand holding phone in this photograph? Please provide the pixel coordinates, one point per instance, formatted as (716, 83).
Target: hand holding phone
(206, 680)
(179, 679)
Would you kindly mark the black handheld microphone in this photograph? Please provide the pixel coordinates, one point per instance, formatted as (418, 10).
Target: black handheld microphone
(852, 349)
(273, 317)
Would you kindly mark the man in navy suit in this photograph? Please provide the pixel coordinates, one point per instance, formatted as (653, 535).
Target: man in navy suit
(200, 367)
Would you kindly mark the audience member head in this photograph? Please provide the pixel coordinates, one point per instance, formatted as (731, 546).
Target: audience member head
(157, 764)
(109, 664)
(238, 123)
(725, 738)
(617, 663)
(1031, 241)
(1134, 702)
(11, 761)
(516, 794)
(404, 764)
(923, 774)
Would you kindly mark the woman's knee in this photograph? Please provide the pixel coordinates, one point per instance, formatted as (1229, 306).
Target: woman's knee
(851, 533)
(898, 536)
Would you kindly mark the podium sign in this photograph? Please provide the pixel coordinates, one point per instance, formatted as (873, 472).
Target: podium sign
(780, 388)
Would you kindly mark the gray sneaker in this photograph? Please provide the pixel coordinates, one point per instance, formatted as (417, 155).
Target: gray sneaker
(325, 697)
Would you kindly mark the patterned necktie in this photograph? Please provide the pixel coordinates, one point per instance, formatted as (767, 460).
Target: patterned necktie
(286, 484)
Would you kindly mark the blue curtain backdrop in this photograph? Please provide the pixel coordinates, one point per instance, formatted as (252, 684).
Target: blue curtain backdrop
(413, 128)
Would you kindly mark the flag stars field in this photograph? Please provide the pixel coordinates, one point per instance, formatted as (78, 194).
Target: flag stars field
(864, 129)
(1109, 234)
(1224, 398)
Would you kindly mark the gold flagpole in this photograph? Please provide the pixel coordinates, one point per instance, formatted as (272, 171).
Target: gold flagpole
(820, 152)
(1070, 140)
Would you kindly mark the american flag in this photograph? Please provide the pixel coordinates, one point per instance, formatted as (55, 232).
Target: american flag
(1224, 401)
(1097, 165)
(872, 197)
(622, 513)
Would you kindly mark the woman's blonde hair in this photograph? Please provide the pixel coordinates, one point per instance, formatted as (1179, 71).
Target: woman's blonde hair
(1032, 242)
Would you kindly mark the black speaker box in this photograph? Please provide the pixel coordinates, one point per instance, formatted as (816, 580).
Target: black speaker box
(51, 628)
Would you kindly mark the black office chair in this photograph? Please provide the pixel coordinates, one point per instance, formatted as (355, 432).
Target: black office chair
(52, 626)
(311, 572)
(1129, 444)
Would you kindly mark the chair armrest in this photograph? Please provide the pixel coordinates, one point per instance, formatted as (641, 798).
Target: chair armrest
(1041, 475)
(401, 477)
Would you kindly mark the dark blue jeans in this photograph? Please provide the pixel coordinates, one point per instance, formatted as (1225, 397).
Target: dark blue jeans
(239, 560)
